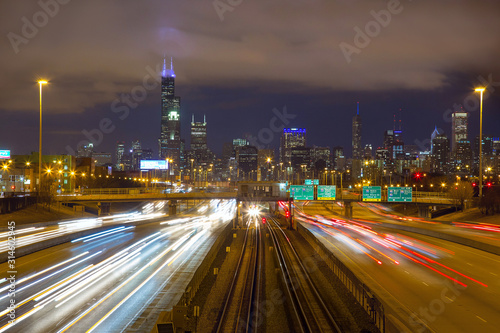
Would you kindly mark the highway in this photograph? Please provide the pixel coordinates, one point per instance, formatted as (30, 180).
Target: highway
(426, 284)
(104, 281)
(31, 235)
(482, 232)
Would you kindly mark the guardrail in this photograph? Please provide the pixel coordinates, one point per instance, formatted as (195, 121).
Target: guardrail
(361, 293)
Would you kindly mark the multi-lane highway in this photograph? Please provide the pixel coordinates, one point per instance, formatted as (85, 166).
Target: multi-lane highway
(102, 282)
(427, 284)
(35, 233)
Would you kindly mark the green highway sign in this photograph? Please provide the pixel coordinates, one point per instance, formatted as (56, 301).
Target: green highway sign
(308, 182)
(399, 194)
(315, 181)
(302, 192)
(326, 192)
(372, 193)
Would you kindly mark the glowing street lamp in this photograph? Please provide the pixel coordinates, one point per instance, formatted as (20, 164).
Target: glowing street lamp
(40, 83)
(481, 91)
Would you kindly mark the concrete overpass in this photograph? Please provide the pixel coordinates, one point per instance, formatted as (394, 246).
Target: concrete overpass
(106, 196)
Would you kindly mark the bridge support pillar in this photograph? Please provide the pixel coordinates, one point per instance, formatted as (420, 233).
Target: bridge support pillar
(103, 208)
(424, 211)
(348, 209)
(172, 208)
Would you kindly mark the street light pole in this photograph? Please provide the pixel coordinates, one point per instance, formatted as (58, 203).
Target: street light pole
(40, 83)
(481, 90)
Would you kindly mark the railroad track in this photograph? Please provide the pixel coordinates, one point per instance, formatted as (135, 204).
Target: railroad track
(310, 310)
(240, 311)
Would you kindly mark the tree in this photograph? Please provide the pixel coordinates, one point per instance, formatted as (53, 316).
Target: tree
(461, 193)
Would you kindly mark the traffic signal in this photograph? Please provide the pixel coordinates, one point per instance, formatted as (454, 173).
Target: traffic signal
(489, 184)
(474, 184)
(13, 187)
(263, 220)
(287, 214)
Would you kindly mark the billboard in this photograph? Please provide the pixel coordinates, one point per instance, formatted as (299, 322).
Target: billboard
(399, 194)
(4, 154)
(154, 165)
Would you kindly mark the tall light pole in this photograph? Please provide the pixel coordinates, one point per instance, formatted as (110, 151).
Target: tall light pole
(40, 83)
(481, 91)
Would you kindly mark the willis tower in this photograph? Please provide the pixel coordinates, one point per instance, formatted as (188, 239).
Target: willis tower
(170, 137)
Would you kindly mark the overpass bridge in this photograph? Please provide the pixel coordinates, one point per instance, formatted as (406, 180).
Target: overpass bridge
(106, 196)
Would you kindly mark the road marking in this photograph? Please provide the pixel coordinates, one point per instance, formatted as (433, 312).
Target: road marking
(425, 283)
(449, 299)
(493, 273)
(481, 319)
(407, 272)
(469, 264)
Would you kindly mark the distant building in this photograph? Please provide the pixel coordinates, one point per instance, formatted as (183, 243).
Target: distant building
(102, 159)
(357, 149)
(398, 147)
(240, 142)
(300, 159)
(463, 155)
(440, 151)
(248, 160)
(199, 134)
(338, 158)
(368, 152)
(459, 123)
(170, 136)
(85, 150)
(291, 138)
(321, 157)
(120, 150)
(136, 153)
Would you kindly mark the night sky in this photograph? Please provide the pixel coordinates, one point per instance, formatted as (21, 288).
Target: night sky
(236, 63)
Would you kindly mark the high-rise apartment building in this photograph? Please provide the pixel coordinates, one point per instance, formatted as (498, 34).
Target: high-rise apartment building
(170, 136)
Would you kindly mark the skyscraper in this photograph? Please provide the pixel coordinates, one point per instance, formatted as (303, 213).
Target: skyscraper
(291, 138)
(458, 128)
(170, 136)
(120, 150)
(440, 150)
(199, 135)
(357, 150)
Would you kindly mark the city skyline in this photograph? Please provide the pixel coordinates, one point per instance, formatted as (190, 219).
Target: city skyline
(248, 79)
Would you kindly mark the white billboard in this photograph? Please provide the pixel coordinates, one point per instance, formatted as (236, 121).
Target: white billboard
(154, 165)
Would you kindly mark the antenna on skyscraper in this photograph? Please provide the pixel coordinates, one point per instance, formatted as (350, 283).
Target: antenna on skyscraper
(164, 73)
(358, 109)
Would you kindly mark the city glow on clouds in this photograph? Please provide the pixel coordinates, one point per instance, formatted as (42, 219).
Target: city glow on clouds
(294, 42)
